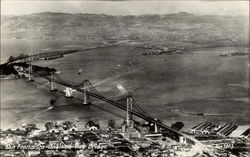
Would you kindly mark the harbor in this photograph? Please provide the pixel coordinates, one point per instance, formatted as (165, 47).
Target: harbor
(124, 79)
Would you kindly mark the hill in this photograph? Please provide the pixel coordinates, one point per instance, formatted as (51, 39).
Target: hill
(181, 27)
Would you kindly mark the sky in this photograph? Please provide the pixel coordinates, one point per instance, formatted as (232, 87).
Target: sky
(21, 7)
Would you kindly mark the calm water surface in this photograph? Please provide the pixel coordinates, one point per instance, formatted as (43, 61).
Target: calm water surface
(170, 87)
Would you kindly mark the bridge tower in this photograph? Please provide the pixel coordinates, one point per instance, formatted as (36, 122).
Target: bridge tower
(129, 108)
(30, 73)
(156, 127)
(86, 88)
(52, 83)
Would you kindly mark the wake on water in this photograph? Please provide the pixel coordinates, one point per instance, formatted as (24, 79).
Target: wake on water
(50, 108)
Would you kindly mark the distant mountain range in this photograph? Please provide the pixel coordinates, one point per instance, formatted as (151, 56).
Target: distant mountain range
(180, 27)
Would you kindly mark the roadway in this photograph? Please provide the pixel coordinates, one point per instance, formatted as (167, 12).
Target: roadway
(116, 104)
(173, 133)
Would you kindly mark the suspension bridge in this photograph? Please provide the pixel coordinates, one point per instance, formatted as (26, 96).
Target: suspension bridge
(131, 107)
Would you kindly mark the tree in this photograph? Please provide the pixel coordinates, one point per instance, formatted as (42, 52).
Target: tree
(11, 58)
(111, 124)
(22, 55)
(177, 126)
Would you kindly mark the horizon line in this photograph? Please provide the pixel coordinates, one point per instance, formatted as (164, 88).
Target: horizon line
(126, 14)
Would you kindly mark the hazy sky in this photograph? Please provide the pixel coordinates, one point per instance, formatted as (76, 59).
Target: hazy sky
(126, 7)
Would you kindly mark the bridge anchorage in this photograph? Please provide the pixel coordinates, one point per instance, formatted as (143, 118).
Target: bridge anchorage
(68, 92)
(85, 88)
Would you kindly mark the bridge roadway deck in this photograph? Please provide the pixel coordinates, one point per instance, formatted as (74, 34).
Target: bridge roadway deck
(116, 104)
(191, 140)
(37, 56)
